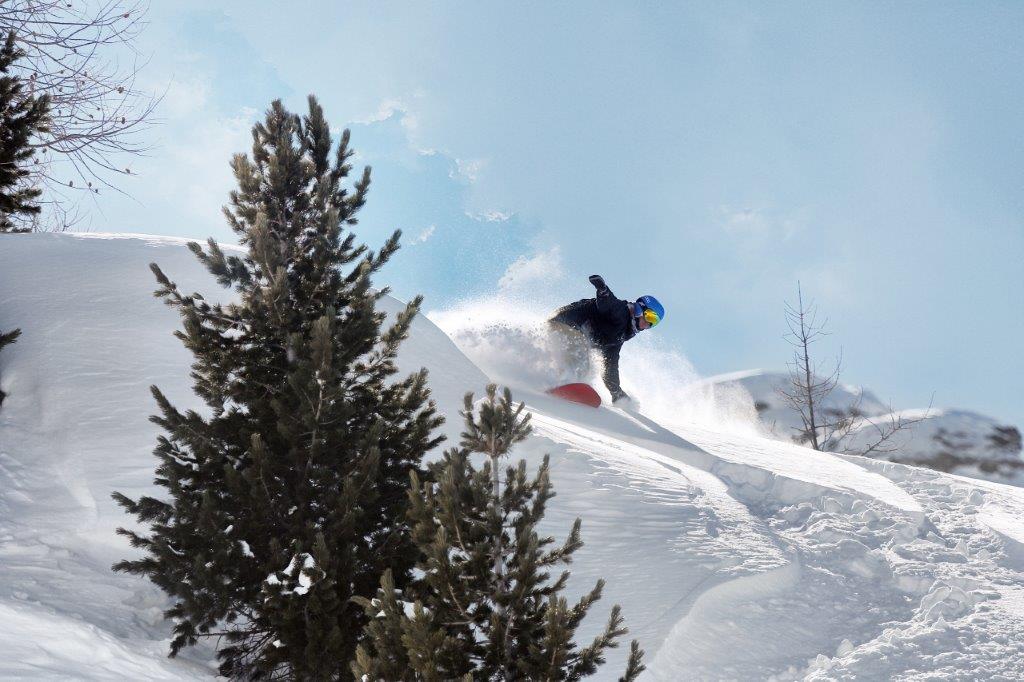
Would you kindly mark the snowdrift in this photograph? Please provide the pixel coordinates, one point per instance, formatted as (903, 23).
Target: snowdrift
(733, 556)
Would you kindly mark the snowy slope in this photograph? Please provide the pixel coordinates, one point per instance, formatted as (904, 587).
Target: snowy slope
(733, 556)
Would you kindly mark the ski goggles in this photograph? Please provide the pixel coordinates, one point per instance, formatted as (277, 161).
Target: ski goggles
(648, 314)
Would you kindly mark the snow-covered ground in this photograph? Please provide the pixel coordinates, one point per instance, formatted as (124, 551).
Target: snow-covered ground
(734, 556)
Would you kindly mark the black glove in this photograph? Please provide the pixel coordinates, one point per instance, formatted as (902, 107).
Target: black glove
(598, 283)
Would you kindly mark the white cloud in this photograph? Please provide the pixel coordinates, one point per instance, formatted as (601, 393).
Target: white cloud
(746, 220)
(386, 109)
(468, 168)
(402, 111)
(757, 223)
(423, 236)
(397, 108)
(183, 97)
(543, 266)
(490, 216)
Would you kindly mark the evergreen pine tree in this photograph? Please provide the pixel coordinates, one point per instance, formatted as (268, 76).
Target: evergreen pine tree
(484, 607)
(7, 338)
(21, 117)
(289, 497)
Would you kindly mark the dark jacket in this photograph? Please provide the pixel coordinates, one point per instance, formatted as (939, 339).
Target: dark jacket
(607, 323)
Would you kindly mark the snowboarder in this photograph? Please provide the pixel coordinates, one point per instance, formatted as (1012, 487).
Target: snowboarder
(604, 323)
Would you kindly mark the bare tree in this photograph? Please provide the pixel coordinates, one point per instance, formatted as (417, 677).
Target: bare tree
(73, 53)
(824, 427)
(808, 387)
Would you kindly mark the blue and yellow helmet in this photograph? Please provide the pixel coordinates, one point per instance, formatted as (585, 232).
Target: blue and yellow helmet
(650, 309)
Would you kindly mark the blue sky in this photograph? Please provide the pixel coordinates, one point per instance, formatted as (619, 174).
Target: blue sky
(711, 154)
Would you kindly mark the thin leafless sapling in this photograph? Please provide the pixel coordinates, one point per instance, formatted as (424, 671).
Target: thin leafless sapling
(825, 427)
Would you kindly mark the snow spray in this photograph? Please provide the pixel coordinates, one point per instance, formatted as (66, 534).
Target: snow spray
(506, 335)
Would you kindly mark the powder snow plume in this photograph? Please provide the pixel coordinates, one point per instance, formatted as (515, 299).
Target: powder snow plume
(506, 335)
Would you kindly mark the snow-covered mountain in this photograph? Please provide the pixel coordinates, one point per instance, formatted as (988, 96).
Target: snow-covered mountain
(953, 441)
(733, 556)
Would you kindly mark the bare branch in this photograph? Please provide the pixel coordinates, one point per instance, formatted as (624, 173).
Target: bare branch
(98, 111)
(893, 424)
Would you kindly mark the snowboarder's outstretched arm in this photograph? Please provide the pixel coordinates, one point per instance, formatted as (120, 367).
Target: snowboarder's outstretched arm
(608, 305)
(604, 294)
(589, 310)
(611, 372)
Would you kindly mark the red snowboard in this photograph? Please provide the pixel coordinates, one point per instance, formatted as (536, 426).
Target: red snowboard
(577, 393)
